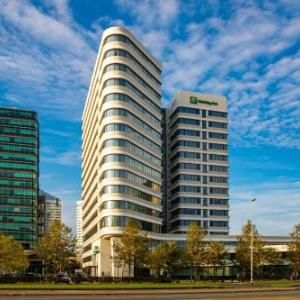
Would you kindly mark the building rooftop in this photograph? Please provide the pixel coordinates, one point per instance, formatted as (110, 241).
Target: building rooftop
(47, 195)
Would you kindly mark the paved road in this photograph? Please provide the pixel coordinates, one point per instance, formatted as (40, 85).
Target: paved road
(278, 295)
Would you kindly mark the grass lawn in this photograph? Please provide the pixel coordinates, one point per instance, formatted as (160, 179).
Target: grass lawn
(146, 285)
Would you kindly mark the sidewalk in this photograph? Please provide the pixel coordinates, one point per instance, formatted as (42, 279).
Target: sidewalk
(133, 292)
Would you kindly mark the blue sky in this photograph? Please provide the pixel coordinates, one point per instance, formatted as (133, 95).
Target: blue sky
(248, 51)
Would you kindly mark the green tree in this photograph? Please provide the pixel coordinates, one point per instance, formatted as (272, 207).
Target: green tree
(215, 255)
(165, 256)
(195, 249)
(270, 256)
(243, 249)
(172, 256)
(12, 255)
(131, 250)
(294, 251)
(156, 259)
(57, 248)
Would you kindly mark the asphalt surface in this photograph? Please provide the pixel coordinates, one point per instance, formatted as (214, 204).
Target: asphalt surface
(284, 295)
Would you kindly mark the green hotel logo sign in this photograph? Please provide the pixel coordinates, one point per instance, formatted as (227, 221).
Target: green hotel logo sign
(196, 100)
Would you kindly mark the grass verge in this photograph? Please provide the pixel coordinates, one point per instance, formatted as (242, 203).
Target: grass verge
(147, 285)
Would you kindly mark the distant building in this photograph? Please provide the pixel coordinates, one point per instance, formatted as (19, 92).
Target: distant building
(50, 210)
(79, 226)
(19, 174)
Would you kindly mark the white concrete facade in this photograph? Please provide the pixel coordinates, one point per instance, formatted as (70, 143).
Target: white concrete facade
(79, 227)
(121, 145)
(197, 163)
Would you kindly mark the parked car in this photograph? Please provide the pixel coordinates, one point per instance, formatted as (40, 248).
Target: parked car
(8, 278)
(62, 277)
(79, 276)
(31, 277)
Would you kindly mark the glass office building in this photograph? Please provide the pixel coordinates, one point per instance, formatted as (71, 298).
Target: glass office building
(19, 172)
(51, 209)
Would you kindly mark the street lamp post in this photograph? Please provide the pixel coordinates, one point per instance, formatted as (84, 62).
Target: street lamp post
(251, 255)
(251, 249)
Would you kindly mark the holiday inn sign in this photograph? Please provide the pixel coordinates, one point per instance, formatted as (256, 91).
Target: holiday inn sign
(196, 100)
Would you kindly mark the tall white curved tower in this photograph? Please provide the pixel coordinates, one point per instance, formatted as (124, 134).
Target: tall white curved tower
(121, 146)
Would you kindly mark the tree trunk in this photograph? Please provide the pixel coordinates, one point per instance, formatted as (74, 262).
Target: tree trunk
(223, 272)
(191, 271)
(129, 271)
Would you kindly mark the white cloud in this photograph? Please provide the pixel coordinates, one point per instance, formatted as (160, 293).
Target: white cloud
(60, 133)
(239, 42)
(42, 27)
(47, 62)
(274, 210)
(46, 48)
(65, 158)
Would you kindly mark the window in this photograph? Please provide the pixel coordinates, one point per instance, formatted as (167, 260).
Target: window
(218, 212)
(183, 143)
(133, 89)
(216, 135)
(189, 200)
(186, 177)
(124, 53)
(18, 131)
(218, 223)
(185, 154)
(185, 132)
(128, 190)
(19, 114)
(186, 211)
(186, 189)
(217, 124)
(133, 103)
(218, 179)
(125, 113)
(120, 221)
(131, 177)
(213, 201)
(135, 134)
(187, 166)
(185, 110)
(214, 168)
(216, 146)
(185, 223)
(186, 121)
(125, 39)
(120, 204)
(133, 148)
(126, 69)
(217, 190)
(218, 157)
(218, 114)
(131, 161)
